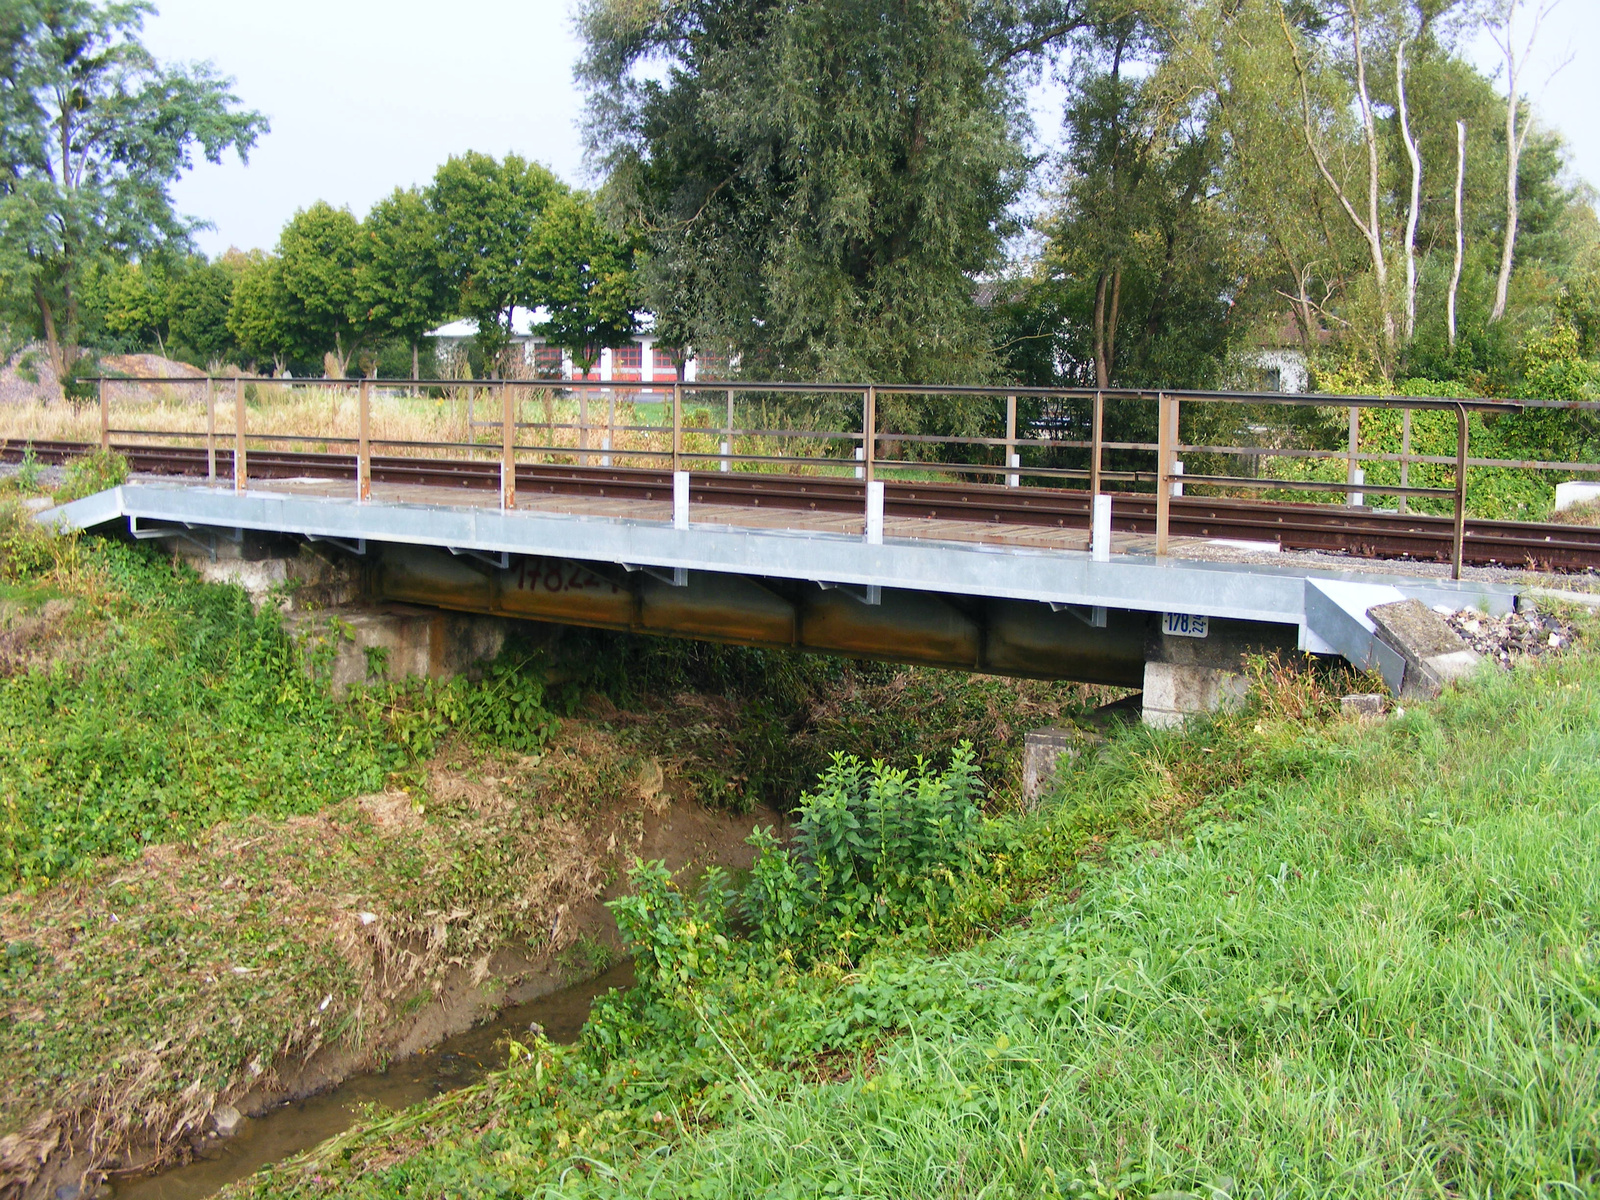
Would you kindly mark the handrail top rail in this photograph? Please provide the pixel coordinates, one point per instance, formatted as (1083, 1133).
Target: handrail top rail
(998, 391)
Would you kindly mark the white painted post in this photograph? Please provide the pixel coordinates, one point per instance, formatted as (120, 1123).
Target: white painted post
(680, 499)
(1100, 530)
(861, 457)
(1355, 499)
(1177, 484)
(1013, 459)
(875, 512)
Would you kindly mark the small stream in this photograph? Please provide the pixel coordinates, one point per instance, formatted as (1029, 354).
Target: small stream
(455, 1062)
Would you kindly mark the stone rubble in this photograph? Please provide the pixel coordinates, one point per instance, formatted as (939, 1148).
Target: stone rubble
(1526, 633)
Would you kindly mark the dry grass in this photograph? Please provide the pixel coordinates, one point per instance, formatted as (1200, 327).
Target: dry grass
(1584, 513)
(442, 418)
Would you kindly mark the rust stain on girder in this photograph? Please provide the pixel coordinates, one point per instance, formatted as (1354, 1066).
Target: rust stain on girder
(1004, 637)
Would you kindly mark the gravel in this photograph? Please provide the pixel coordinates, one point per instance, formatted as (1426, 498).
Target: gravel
(1526, 633)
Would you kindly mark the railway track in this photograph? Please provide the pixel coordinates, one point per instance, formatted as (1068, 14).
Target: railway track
(1291, 526)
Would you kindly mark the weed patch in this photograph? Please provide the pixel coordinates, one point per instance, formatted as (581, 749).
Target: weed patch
(1279, 953)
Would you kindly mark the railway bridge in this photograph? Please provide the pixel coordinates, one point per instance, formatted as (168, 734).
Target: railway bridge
(1029, 554)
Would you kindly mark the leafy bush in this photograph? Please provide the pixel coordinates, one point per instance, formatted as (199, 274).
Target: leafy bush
(28, 472)
(507, 708)
(93, 473)
(26, 549)
(875, 849)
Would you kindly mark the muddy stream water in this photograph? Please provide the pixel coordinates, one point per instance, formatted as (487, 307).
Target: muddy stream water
(297, 1127)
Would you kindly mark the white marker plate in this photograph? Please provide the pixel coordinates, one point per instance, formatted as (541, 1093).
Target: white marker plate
(1184, 625)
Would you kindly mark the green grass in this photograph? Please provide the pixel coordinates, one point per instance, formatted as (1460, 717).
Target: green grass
(1320, 959)
(171, 705)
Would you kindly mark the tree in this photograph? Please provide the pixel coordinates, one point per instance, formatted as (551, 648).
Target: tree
(1516, 57)
(817, 185)
(486, 215)
(583, 274)
(405, 291)
(258, 314)
(1135, 244)
(320, 265)
(200, 299)
(135, 302)
(93, 132)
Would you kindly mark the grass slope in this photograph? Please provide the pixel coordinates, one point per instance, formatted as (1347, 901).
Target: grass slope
(1368, 966)
(192, 899)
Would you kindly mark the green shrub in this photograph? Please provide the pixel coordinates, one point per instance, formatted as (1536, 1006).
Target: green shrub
(93, 473)
(875, 849)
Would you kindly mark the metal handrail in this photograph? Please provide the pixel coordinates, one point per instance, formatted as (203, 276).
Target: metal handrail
(675, 442)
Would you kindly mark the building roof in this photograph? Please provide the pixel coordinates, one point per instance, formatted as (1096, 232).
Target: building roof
(524, 321)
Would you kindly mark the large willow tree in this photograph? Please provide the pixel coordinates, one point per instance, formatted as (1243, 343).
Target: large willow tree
(817, 185)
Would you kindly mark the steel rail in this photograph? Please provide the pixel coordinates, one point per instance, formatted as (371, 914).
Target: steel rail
(1291, 526)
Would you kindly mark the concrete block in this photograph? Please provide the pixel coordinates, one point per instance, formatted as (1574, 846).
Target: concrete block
(1042, 752)
(1435, 654)
(1186, 675)
(394, 642)
(1173, 691)
(1365, 706)
(1576, 491)
(297, 576)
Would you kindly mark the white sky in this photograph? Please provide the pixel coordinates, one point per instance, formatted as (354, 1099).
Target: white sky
(367, 95)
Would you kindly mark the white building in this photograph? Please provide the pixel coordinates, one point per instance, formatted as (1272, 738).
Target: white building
(636, 361)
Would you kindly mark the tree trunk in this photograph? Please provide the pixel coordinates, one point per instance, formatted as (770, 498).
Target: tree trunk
(1102, 372)
(1415, 209)
(1369, 129)
(1515, 139)
(1513, 208)
(416, 369)
(1461, 237)
(52, 340)
(1112, 321)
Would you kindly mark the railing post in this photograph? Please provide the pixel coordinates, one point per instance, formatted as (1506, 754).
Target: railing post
(611, 426)
(240, 471)
(1458, 542)
(727, 436)
(1096, 426)
(508, 447)
(869, 433)
(211, 430)
(1405, 456)
(1166, 450)
(677, 427)
(363, 443)
(1013, 459)
(105, 414)
(583, 427)
(1355, 445)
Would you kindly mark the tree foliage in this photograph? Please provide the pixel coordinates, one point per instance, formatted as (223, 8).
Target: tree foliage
(816, 185)
(582, 273)
(93, 132)
(486, 215)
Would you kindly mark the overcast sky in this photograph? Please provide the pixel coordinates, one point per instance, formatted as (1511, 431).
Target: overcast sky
(367, 95)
